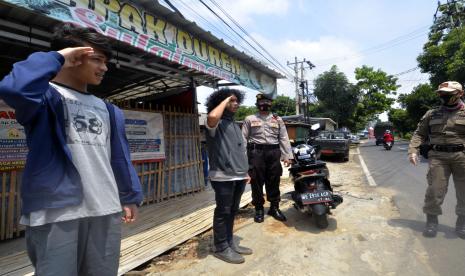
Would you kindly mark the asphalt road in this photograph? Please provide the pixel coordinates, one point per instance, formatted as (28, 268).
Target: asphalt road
(391, 169)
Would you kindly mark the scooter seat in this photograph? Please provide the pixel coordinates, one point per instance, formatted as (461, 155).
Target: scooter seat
(312, 166)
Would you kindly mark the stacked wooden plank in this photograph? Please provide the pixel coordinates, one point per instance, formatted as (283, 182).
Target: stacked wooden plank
(160, 227)
(9, 205)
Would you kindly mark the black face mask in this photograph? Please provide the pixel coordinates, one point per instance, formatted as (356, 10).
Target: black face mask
(264, 107)
(445, 100)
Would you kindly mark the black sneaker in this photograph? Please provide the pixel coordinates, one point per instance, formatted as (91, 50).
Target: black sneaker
(230, 256)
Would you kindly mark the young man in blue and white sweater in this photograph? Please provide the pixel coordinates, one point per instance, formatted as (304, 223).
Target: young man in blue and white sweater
(78, 175)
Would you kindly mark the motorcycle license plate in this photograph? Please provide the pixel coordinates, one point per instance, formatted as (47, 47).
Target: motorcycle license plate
(316, 197)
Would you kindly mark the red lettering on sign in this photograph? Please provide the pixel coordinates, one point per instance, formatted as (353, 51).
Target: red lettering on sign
(4, 115)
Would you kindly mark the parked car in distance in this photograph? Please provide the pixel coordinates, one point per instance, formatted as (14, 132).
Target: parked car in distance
(333, 143)
(363, 135)
(354, 139)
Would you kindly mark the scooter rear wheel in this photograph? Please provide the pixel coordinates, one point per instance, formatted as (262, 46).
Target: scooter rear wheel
(321, 221)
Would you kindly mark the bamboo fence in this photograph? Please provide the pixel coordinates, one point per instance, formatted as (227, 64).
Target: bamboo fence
(179, 174)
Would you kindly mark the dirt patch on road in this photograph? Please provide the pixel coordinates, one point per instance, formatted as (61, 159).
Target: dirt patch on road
(358, 241)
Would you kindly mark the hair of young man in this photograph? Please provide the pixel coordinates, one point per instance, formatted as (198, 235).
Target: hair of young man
(67, 35)
(219, 95)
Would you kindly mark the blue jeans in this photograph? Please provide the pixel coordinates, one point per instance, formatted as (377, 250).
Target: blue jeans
(227, 196)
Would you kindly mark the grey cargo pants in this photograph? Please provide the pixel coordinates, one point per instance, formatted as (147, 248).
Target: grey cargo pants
(85, 246)
(441, 166)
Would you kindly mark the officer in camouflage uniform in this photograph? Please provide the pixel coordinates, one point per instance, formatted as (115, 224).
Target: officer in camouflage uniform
(267, 144)
(444, 129)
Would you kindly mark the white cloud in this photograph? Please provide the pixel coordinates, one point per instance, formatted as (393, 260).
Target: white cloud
(323, 48)
(243, 10)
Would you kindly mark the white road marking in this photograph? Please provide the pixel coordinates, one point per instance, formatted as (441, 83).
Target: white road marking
(402, 148)
(370, 179)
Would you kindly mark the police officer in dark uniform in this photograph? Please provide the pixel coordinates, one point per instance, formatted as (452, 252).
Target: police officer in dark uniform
(267, 144)
(444, 128)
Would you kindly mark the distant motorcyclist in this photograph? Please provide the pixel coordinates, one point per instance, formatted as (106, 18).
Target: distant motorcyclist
(388, 137)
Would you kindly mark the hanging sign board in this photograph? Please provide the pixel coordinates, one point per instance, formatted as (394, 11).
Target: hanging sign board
(134, 25)
(144, 131)
(13, 147)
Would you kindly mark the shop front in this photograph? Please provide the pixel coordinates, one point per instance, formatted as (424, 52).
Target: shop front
(160, 59)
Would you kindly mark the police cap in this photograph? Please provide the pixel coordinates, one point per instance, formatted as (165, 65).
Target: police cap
(261, 96)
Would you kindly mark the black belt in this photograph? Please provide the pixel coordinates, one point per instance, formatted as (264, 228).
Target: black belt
(262, 146)
(448, 148)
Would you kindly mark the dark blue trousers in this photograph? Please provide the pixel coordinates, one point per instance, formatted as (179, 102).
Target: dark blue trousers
(227, 196)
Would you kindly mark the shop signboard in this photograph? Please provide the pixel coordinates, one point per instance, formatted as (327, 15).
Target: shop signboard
(134, 25)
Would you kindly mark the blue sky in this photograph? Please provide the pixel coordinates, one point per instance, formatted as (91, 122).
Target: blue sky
(384, 34)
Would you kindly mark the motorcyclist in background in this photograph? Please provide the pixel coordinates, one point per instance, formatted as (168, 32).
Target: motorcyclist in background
(388, 137)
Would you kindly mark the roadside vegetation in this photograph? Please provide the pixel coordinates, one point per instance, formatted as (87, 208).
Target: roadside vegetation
(353, 105)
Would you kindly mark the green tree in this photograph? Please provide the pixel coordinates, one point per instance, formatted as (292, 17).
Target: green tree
(443, 55)
(401, 120)
(244, 111)
(375, 89)
(418, 102)
(337, 97)
(283, 106)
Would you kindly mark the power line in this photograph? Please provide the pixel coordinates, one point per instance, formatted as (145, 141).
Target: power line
(245, 32)
(406, 71)
(219, 17)
(213, 26)
(381, 47)
(232, 40)
(174, 8)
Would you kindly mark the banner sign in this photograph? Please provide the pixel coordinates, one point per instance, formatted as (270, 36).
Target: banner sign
(144, 131)
(134, 25)
(13, 147)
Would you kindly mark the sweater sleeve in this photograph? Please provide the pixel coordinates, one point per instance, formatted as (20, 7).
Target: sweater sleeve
(25, 86)
(129, 186)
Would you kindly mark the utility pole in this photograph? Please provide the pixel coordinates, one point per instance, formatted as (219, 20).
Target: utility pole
(299, 82)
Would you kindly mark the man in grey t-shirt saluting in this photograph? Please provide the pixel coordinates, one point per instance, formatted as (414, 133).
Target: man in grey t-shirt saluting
(228, 170)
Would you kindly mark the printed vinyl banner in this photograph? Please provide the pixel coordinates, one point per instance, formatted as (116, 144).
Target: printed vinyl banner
(13, 147)
(145, 135)
(132, 24)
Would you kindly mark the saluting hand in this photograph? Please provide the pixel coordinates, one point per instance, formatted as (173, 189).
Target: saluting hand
(74, 56)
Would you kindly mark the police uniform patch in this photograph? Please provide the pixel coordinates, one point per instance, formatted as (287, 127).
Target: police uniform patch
(274, 125)
(255, 123)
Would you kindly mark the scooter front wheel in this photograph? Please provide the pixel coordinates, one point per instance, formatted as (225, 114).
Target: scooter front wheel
(321, 221)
